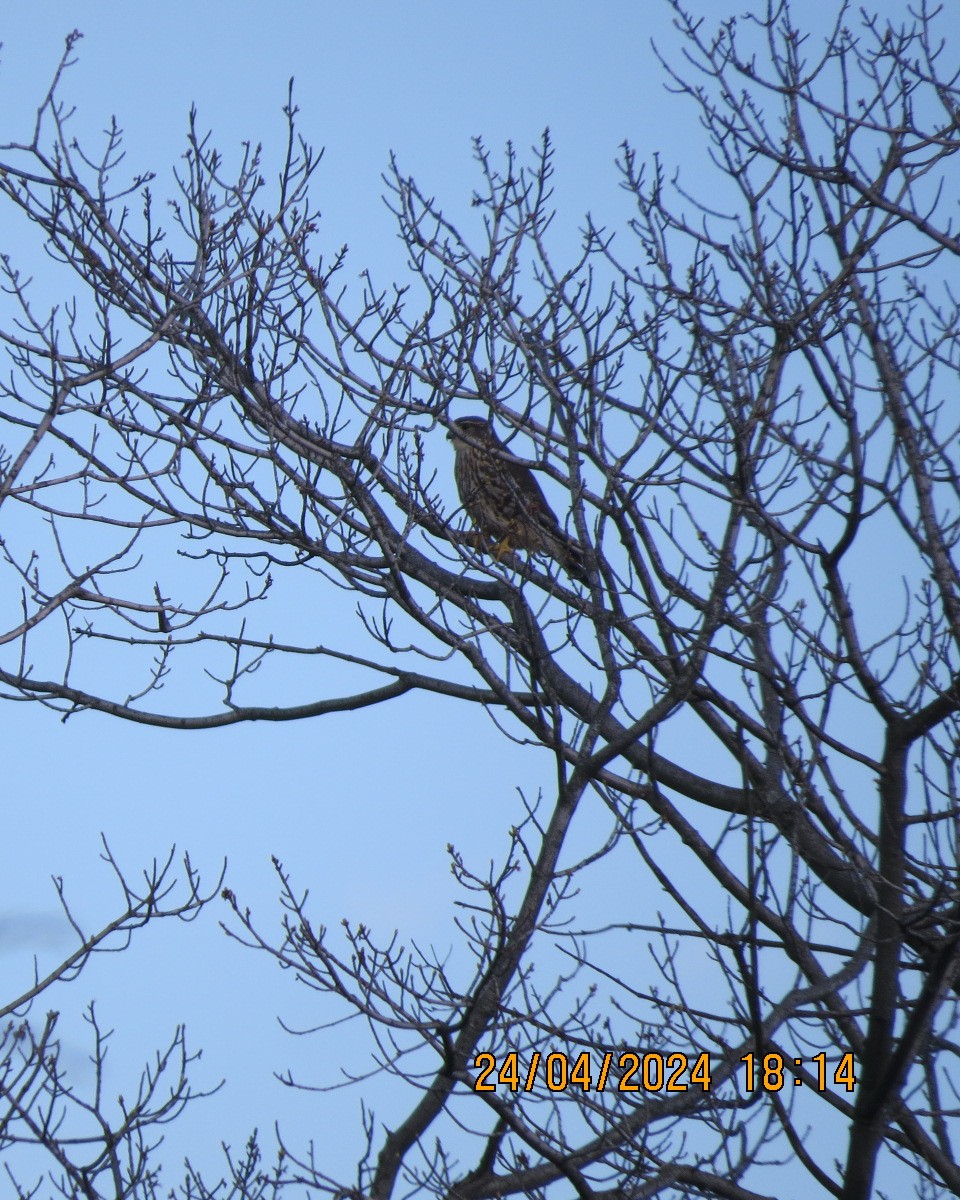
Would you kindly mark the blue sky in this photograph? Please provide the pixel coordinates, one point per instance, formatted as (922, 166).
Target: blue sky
(419, 79)
(359, 807)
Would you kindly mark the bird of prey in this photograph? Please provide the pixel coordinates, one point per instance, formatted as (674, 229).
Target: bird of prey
(503, 499)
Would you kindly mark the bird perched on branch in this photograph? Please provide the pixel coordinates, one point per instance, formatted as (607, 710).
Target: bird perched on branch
(503, 499)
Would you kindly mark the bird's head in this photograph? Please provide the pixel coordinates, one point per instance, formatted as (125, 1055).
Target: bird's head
(472, 431)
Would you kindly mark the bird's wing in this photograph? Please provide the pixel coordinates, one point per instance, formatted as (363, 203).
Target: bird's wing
(526, 492)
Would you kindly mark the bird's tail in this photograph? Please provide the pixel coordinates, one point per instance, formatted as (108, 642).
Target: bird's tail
(570, 556)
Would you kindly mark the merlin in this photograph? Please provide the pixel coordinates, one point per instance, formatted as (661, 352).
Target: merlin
(503, 499)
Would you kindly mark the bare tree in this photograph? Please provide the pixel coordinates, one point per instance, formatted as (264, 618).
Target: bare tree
(95, 1147)
(743, 410)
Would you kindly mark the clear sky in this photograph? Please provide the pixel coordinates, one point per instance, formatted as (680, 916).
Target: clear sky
(359, 807)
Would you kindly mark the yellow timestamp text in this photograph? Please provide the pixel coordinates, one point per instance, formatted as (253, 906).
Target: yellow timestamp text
(631, 1071)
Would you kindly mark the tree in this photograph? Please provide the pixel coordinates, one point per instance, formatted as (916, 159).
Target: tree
(744, 403)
